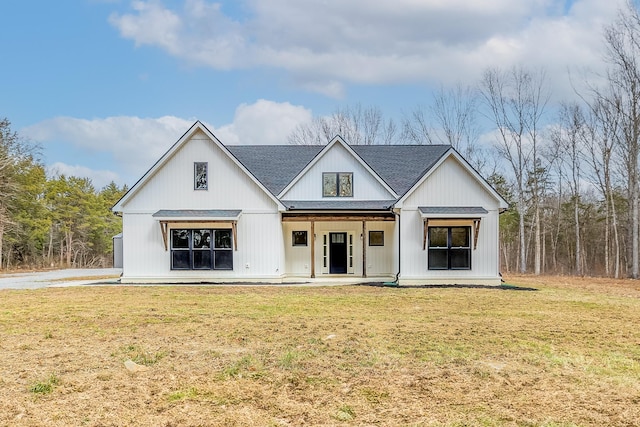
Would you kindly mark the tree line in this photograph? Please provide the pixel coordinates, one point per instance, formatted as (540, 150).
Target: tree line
(45, 222)
(569, 170)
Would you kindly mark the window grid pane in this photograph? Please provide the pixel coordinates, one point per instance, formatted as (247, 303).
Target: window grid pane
(329, 184)
(193, 249)
(449, 248)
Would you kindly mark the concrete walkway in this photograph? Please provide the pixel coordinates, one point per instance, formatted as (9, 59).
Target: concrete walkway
(58, 278)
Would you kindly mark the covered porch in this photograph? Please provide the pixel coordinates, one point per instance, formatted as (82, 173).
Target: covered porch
(331, 243)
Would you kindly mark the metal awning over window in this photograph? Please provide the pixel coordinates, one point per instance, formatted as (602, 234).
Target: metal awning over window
(188, 218)
(434, 216)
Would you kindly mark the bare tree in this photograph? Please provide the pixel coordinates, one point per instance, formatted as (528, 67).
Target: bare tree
(516, 101)
(357, 125)
(600, 136)
(622, 42)
(568, 137)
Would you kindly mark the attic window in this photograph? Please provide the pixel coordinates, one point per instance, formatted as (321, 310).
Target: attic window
(200, 175)
(337, 184)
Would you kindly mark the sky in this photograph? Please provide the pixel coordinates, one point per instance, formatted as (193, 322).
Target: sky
(105, 87)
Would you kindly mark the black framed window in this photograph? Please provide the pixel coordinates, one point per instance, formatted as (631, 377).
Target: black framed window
(449, 248)
(376, 238)
(337, 184)
(200, 175)
(299, 238)
(201, 249)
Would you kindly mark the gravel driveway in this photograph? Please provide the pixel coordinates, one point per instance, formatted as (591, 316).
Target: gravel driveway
(58, 278)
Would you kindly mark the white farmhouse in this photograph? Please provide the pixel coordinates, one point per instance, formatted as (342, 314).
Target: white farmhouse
(206, 212)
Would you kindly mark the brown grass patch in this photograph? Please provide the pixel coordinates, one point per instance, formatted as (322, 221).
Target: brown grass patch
(567, 354)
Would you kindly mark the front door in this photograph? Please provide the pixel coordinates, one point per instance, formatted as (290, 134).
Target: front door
(337, 253)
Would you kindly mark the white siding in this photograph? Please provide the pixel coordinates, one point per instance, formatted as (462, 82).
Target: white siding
(338, 159)
(298, 258)
(260, 244)
(380, 259)
(259, 253)
(172, 185)
(450, 185)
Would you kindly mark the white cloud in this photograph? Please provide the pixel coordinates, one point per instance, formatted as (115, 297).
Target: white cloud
(327, 44)
(263, 123)
(129, 146)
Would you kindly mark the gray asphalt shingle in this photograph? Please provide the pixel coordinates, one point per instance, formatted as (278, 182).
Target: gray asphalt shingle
(400, 166)
(275, 166)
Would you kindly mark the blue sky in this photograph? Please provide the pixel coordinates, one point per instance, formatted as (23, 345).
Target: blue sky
(106, 86)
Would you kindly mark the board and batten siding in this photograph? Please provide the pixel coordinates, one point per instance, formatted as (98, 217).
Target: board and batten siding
(450, 185)
(172, 185)
(259, 255)
(298, 258)
(380, 259)
(337, 159)
(260, 244)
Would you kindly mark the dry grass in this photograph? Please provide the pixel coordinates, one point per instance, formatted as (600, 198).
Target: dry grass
(565, 355)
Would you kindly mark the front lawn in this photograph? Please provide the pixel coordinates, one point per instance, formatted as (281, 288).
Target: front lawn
(564, 354)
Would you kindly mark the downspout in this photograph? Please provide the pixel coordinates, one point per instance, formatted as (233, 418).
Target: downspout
(395, 282)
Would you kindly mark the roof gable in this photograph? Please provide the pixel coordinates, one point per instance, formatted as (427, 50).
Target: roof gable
(164, 159)
(337, 142)
(452, 153)
(341, 158)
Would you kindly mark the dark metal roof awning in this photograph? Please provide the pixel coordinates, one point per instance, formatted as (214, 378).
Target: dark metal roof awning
(452, 215)
(196, 216)
(452, 211)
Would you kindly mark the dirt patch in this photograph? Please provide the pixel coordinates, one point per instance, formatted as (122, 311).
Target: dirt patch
(568, 354)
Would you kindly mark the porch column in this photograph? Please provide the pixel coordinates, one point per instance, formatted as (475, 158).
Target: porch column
(313, 249)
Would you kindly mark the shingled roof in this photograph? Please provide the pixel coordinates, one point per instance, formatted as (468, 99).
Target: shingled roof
(400, 166)
(274, 166)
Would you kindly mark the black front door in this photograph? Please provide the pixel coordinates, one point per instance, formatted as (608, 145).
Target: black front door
(338, 253)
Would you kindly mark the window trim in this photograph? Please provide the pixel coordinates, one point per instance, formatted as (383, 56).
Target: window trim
(449, 248)
(299, 233)
(197, 185)
(337, 176)
(381, 238)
